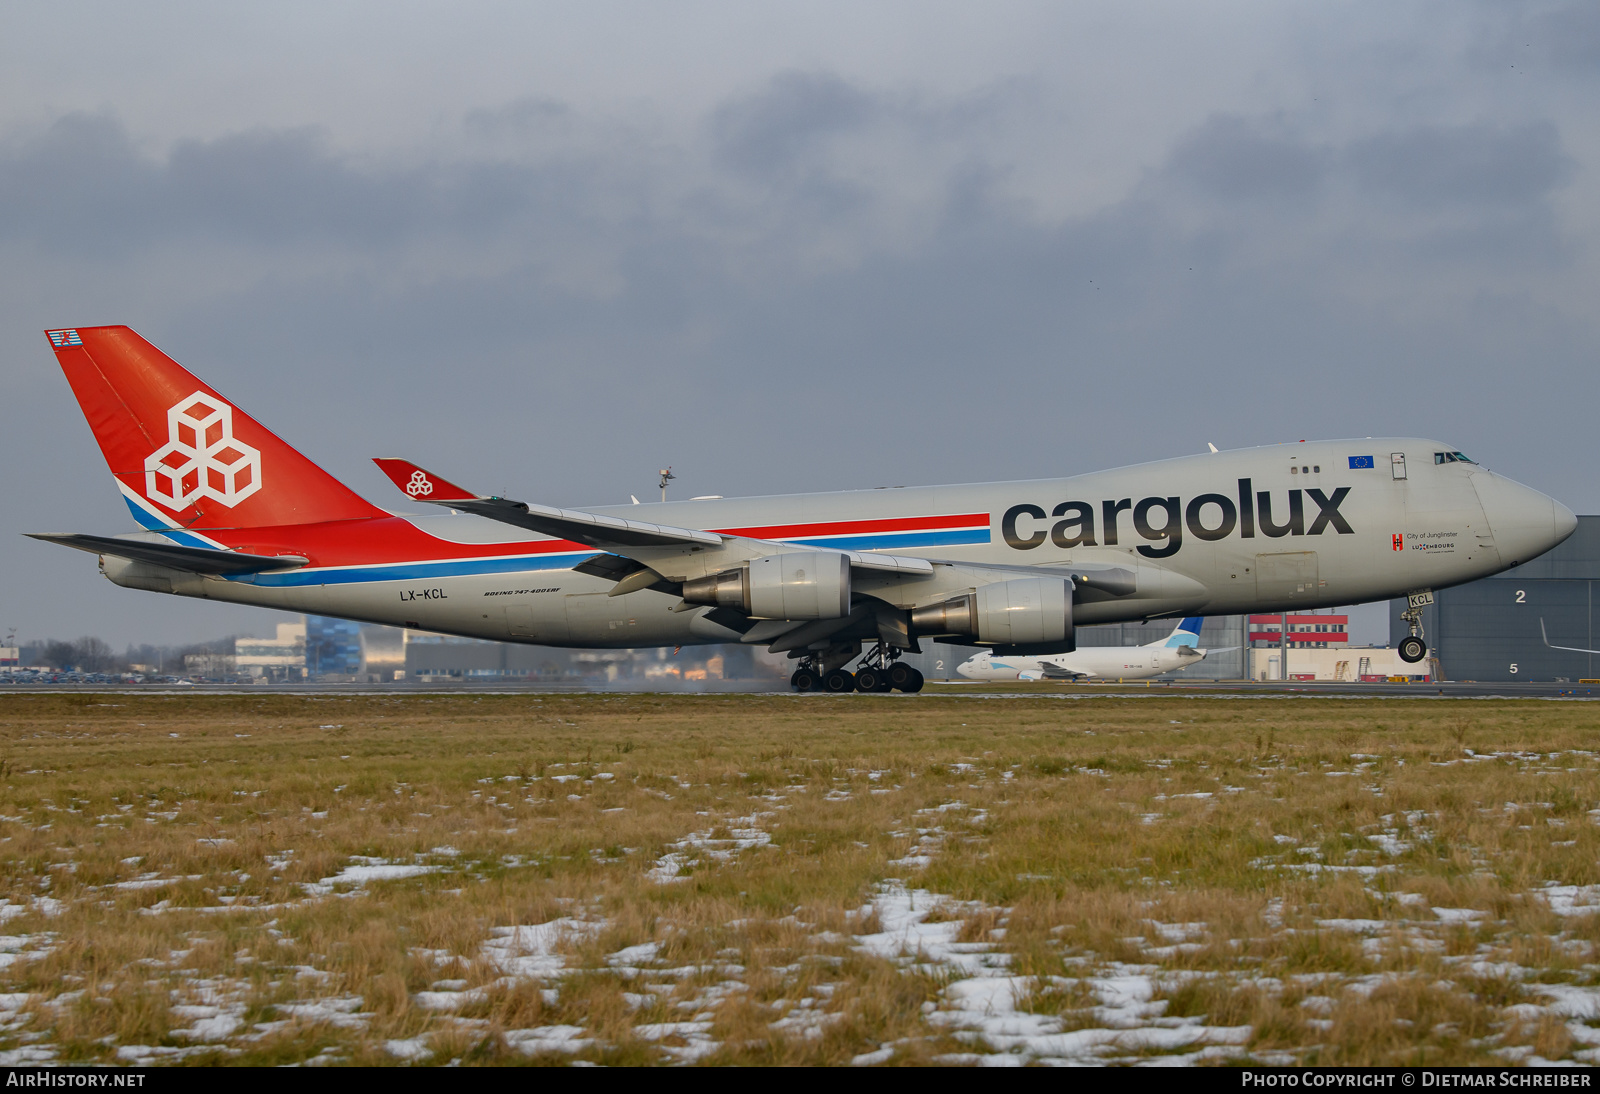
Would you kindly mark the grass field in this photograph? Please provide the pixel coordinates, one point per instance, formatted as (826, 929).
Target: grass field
(797, 879)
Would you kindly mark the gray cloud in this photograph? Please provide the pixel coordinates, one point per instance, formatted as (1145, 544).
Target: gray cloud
(780, 127)
(85, 183)
(1239, 159)
(1537, 37)
(1570, 35)
(1479, 164)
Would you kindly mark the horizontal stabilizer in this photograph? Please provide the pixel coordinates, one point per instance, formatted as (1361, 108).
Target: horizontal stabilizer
(590, 529)
(196, 560)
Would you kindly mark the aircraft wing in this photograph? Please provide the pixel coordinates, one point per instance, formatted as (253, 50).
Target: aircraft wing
(197, 560)
(589, 529)
(1569, 649)
(1056, 672)
(628, 538)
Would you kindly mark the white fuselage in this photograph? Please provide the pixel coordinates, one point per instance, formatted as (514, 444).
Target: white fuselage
(1087, 662)
(1292, 526)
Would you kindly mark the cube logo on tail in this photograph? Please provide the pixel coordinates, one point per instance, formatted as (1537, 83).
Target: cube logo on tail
(202, 458)
(419, 486)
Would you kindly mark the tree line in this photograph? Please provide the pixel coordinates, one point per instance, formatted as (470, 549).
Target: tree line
(92, 654)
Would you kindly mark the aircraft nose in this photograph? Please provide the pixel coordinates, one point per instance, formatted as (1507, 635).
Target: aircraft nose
(1525, 522)
(965, 669)
(1566, 521)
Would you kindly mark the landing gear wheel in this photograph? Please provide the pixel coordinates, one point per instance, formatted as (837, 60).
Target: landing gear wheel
(1412, 650)
(805, 680)
(869, 678)
(904, 677)
(839, 681)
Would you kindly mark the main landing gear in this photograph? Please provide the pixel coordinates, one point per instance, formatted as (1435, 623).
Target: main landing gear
(880, 670)
(1413, 648)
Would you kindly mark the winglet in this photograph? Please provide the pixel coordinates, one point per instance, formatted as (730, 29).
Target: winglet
(420, 484)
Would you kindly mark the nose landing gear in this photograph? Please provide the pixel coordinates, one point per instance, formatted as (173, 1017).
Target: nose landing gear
(1413, 649)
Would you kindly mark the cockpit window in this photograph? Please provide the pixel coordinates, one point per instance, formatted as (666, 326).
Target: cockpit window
(1451, 457)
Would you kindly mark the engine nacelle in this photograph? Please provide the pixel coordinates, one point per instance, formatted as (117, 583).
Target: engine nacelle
(797, 585)
(1026, 611)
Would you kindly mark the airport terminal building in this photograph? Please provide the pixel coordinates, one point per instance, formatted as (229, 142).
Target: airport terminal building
(1489, 630)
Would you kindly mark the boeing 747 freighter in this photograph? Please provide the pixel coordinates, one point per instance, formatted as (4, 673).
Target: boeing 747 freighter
(231, 512)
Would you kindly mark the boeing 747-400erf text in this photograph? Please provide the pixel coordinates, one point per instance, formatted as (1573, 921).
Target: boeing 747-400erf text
(233, 513)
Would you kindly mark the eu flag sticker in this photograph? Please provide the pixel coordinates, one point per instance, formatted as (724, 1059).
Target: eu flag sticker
(1359, 462)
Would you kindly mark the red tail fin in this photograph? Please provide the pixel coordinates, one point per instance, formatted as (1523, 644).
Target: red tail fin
(182, 454)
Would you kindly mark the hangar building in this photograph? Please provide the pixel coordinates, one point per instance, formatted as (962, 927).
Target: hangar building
(1488, 630)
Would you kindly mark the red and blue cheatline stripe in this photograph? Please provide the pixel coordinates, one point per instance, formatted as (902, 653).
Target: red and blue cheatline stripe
(887, 534)
(384, 555)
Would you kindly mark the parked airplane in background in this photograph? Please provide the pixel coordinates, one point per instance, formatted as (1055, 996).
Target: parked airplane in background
(1178, 650)
(233, 513)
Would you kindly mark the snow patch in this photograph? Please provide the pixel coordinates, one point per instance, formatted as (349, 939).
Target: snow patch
(367, 870)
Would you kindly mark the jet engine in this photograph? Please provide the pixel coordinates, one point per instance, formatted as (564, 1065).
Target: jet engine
(798, 585)
(1028, 611)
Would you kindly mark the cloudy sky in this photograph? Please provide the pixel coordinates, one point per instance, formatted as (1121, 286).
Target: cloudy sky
(549, 248)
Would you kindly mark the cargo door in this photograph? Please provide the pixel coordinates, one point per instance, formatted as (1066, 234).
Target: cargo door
(1287, 577)
(520, 621)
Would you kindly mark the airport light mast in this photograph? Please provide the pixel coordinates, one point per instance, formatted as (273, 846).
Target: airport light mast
(666, 476)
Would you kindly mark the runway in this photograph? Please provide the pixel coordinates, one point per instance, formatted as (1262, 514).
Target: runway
(1462, 689)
